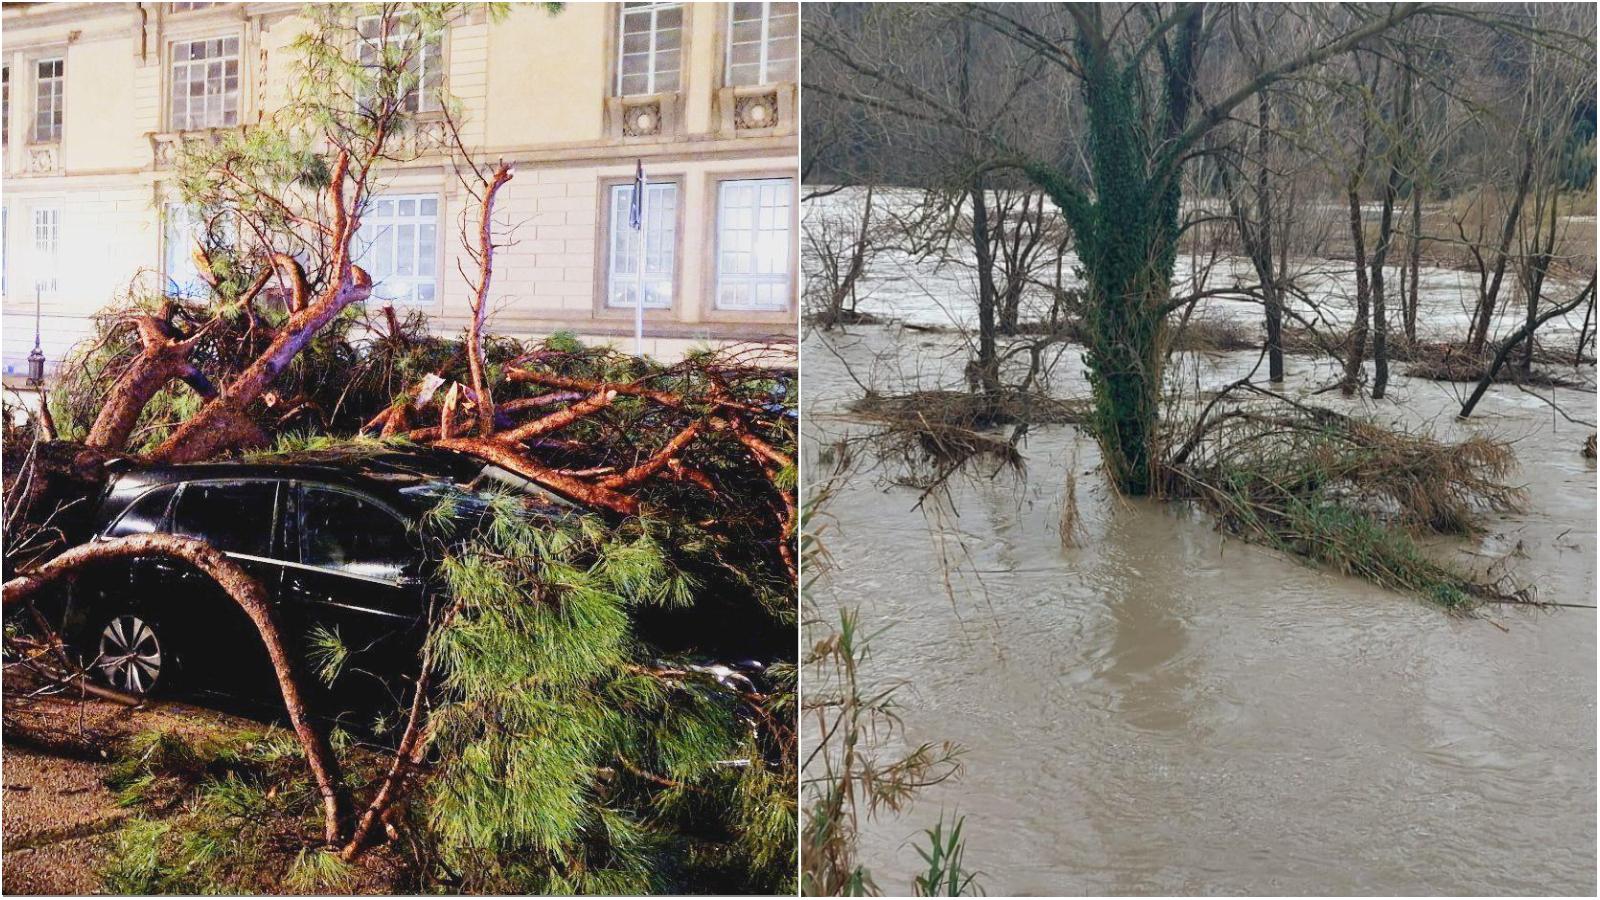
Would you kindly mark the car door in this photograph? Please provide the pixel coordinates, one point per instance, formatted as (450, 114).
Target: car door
(142, 576)
(107, 591)
(355, 585)
(223, 648)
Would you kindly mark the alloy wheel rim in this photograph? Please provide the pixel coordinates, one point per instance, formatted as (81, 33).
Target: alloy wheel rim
(130, 655)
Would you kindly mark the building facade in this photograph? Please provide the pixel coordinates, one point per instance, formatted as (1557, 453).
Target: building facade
(99, 96)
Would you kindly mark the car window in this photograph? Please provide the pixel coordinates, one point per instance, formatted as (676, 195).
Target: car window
(343, 532)
(144, 515)
(233, 516)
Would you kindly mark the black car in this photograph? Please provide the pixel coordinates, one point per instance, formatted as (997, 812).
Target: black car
(332, 538)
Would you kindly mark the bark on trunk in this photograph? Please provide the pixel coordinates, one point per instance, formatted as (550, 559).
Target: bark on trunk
(1356, 348)
(986, 373)
(1488, 302)
(480, 299)
(164, 356)
(1380, 316)
(251, 598)
(1510, 343)
(510, 458)
(220, 424)
(1414, 297)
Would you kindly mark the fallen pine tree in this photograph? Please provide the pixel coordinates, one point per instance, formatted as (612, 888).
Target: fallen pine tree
(545, 743)
(688, 472)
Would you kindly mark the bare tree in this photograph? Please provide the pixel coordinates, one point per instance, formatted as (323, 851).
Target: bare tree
(1139, 121)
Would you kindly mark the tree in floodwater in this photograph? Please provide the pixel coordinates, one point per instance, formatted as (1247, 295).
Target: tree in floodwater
(1136, 74)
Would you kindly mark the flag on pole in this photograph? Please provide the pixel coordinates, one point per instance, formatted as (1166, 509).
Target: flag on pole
(636, 207)
(636, 215)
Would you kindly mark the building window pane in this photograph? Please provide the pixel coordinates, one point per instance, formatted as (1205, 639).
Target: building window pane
(49, 91)
(205, 84)
(754, 244)
(763, 43)
(189, 7)
(181, 228)
(397, 42)
(624, 279)
(650, 55)
(5, 91)
(46, 248)
(397, 245)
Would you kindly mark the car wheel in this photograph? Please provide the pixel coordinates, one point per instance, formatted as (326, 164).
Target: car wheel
(131, 656)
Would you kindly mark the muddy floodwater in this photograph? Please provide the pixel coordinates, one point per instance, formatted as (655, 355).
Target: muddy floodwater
(1162, 710)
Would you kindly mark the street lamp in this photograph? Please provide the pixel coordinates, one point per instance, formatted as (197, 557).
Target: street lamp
(35, 356)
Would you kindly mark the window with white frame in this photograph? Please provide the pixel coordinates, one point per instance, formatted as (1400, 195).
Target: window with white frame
(420, 55)
(49, 89)
(754, 245)
(180, 228)
(651, 53)
(46, 247)
(763, 43)
(205, 84)
(624, 280)
(398, 246)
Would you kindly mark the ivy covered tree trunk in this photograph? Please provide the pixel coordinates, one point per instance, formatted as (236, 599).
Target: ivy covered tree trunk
(1127, 244)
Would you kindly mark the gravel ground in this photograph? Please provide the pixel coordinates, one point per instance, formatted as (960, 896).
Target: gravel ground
(56, 814)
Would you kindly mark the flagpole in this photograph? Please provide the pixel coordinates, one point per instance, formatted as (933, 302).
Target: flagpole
(644, 249)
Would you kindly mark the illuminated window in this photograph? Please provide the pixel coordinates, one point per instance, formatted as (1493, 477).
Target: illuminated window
(182, 275)
(763, 43)
(420, 57)
(397, 246)
(205, 84)
(48, 92)
(652, 48)
(753, 244)
(46, 248)
(624, 280)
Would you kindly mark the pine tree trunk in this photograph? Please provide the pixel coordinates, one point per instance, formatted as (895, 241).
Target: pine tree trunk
(243, 590)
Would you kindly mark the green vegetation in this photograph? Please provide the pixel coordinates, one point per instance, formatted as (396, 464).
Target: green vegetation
(567, 754)
(848, 775)
(1347, 494)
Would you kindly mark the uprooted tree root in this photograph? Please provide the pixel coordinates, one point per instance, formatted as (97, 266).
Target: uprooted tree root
(1340, 492)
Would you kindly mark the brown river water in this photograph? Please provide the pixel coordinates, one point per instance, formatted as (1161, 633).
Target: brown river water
(1163, 710)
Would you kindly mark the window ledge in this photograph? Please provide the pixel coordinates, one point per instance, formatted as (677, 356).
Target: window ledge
(165, 146)
(42, 158)
(756, 110)
(644, 118)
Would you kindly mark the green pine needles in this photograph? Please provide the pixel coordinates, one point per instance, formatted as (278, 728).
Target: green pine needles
(572, 759)
(566, 753)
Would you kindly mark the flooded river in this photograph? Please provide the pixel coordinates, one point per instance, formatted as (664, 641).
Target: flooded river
(1162, 710)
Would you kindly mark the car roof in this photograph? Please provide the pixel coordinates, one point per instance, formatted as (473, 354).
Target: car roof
(384, 470)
